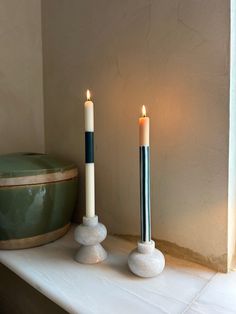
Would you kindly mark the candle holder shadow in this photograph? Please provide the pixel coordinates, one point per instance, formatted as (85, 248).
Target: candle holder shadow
(146, 260)
(89, 235)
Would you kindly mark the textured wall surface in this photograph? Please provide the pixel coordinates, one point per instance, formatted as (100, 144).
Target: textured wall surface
(171, 55)
(232, 139)
(21, 90)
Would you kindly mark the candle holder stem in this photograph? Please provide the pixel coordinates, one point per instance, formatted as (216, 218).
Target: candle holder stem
(90, 234)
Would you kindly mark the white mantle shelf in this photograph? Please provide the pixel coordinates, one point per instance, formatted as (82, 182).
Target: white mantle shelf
(109, 287)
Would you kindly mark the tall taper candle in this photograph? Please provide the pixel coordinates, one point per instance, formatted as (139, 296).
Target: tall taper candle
(89, 157)
(144, 160)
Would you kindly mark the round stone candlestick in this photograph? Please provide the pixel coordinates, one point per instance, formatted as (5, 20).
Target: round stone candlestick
(89, 235)
(146, 260)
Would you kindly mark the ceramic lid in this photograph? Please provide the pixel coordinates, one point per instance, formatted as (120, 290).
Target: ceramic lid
(31, 164)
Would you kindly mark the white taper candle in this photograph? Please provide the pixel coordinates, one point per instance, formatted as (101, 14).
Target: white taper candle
(89, 157)
(144, 153)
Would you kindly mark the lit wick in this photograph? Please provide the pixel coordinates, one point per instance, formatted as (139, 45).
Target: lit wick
(88, 94)
(144, 113)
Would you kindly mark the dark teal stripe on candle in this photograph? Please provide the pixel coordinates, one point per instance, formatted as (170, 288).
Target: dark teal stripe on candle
(144, 153)
(89, 147)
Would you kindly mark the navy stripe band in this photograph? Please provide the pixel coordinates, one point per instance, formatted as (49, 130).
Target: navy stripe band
(89, 147)
(144, 155)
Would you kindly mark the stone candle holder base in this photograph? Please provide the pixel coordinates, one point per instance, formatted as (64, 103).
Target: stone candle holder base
(145, 260)
(89, 234)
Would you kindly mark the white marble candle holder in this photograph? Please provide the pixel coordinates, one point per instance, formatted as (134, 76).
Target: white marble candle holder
(146, 260)
(90, 234)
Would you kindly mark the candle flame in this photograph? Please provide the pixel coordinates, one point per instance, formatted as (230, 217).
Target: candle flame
(88, 94)
(144, 113)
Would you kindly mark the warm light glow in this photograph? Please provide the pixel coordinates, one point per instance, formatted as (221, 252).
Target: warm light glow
(144, 111)
(88, 94)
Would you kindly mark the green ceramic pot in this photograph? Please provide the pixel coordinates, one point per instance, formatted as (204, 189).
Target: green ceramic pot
(37, 198)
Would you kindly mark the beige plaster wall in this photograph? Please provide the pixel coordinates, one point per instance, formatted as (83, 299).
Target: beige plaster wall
(173, 56)
(232, 141)
(21, 91)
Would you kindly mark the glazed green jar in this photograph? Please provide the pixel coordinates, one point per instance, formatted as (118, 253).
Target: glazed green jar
(37, 198)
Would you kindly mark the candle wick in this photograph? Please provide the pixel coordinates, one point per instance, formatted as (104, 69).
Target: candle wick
(88, 95)
(144, 111)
